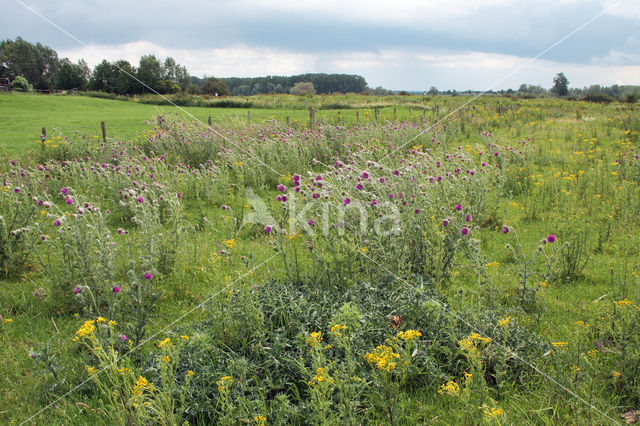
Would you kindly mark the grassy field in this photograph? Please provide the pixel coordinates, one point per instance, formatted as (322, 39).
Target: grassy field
(22, 117)
(481, 269)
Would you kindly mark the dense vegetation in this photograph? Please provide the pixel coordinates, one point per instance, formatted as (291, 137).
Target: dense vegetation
(465, 266)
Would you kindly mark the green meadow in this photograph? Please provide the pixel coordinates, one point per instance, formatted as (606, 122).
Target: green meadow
(457, 260)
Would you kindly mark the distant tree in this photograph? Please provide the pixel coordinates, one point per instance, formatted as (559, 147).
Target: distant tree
(303, 88)
(37, 63)
(126, 83)
(72, 76)
(214, 85)
(433, 91)
(104, 77)
(560, 85)
(150, 71)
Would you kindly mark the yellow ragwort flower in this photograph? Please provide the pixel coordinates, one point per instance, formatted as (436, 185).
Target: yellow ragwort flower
(409, 335)
(85, 330)
(165, 342)
(383, 357)
(315, 339)
(449, 388)
(504, 321)
(560, 345)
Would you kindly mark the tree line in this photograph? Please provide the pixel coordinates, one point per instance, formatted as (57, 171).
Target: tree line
(35, 66)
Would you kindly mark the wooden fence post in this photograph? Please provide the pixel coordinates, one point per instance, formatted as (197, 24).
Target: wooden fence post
(358, 117)
(312, 117)
(104, 132)
(376, 111)
(288, 121)
(249, 117)
(43, 136)
(394, 114)
(209, 121)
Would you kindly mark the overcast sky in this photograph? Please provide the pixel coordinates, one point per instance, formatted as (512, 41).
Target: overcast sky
(397, 44)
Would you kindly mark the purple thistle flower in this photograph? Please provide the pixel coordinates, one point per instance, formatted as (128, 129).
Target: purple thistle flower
(468, 218)
(359, 187)
(311, 222)
(224, 207)
(69, 201)
(77, 290)
(16, 190)
(281, 188)
(116, 289)
(346, 201)
(56, 222)
(445, 222)
(374, 202)
(64, 191)
(417, 211)
(464, 230)
(148, 276)
(382, 180)
(140, 200)
(365, 175)
(124, 338)
(396, 173)
(505, 229)
(315, 195)
(120, 231)
(267, 229)
(551, 238)
(458, 207)
(318, 178)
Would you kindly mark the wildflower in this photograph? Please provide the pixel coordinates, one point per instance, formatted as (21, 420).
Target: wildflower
(120, 231)
(383, 357)
(623, 302)
(336, 329)
(409, 335)
(64, 191)
(445, 222)
(579, 323)
(560, 345)
(311, 222)
(464, 230)
(222, 383)
(230, 243)
(346, 201)
(224, 207)
(77, 290)
(91, 370)
(8, 320)
(165, 342)
(56, 223)
(321, 376)
(112, 323)
(450, 388)
(16, 190)
(140, 386)
(123, 370)
(69, 201)
(100, 320)
(458, 207)
(616, 374)
(116, 289)
(85, 330)
(492, 264)
(575, 369)
(166, 359)
(505, 229)
(267, 229)
(315, 339)
(123, 337)
(504, 321)
(359, 187)
(184, 337)
(281, 188)
(190, 373)
(260, 420)
(148, 276)
(140, 200)
(492, 412)
(550, 238)
(468, 218)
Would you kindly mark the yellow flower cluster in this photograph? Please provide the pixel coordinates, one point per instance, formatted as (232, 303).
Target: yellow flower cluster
(321, 376)
(409, 335)
(124, 370)
(504, 321)
(337, 329)
(230, 243)
(581, 323)
(165, 342)
(616, 374)
(260, 420)
(623, 302)
(492, 412)
(315, 339)
(85, 330)
(490, 264)
(450, 388)
(560, 345)
(472, 342)
(166, 359)
(140, 386)
(190, 373)
(223, 383)
(383, 357)
(91, 370)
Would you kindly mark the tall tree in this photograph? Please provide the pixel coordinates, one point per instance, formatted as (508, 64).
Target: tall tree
(150, 72)
(214, 86)
(104, 77)
(560, 85)
(72, 76)
(36, 63)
